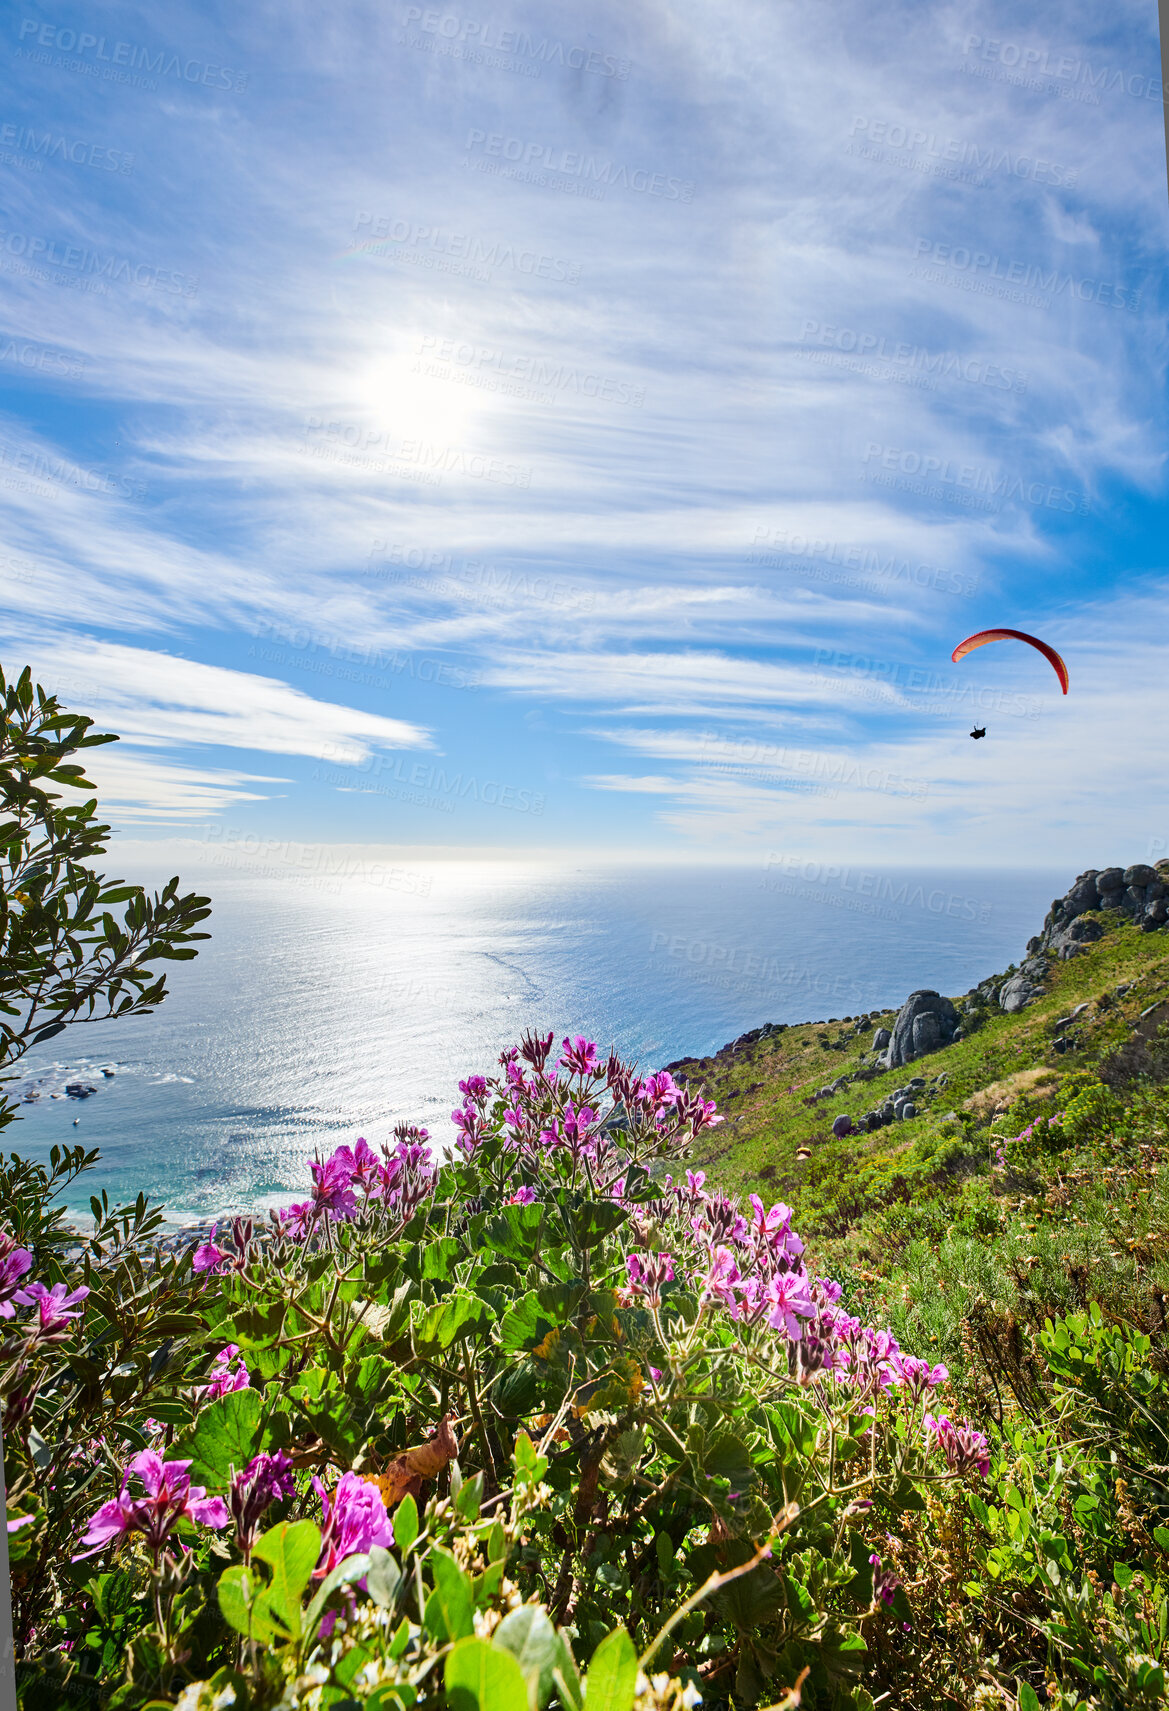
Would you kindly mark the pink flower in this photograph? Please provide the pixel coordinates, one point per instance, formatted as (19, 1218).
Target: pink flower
(572, 1131)
(647, 1276)
(223, 1380)
(963, 1447)
(364, 1164)
(659, 1090)
(53, 1321)
(579, 1056)
(786, 1297)
(522, 1196)
(475, 1088)
(471, 1127)
(918, 1376)
(331, 1184)
(723, 1278)
(265, 1478)
(169, 1498)
(352, 1519)
(885, 1582)
(208, 1257)
(14, 1262)
(298, 1220)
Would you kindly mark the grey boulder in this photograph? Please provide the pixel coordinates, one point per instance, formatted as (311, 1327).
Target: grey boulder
(924, 1022)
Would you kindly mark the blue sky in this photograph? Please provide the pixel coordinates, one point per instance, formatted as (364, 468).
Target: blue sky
(529, 427)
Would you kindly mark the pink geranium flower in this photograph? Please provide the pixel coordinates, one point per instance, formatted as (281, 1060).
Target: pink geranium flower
(223, 1379)
(168, 1497)
(54, 1316)
(788, 1301)
(14, 1263)
(965, 1449)
(208, 1257)
(579, 1055)
(352, 1519)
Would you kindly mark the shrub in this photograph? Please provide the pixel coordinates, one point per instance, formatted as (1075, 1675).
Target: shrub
(539, 1398)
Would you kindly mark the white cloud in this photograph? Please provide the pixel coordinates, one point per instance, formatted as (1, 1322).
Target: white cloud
(160, 700)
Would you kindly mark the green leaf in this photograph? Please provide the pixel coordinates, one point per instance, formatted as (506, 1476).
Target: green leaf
(244, 1607)
(860, 1590)
(291, 1550)
(612, 1677)
(595, 1220)
(440, 1258)
(227, 1435)
(450, 1607)
(405, 1524)
(479, 1677)
(1028, 1698)
(515, 1233)
(351, 1569)
(532, 1640)
(525, 1326)
(459, 1315)
(384, 1576)
(397, 1698)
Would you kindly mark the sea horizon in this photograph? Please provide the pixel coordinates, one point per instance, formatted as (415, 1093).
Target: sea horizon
(324, 1007)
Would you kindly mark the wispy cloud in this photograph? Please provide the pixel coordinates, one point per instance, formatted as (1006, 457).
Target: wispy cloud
(625, 396)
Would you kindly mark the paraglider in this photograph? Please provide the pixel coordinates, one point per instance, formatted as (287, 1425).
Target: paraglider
(976, 733)
(983, 636)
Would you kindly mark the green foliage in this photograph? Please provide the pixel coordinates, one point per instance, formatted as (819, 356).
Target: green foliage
(73, 946)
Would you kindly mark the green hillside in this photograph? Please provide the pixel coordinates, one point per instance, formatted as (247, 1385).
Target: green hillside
(1017, 1230)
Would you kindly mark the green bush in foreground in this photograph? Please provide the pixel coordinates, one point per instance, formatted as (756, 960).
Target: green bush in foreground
(537, 1399)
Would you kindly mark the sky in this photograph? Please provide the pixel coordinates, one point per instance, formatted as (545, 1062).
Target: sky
(589, 430)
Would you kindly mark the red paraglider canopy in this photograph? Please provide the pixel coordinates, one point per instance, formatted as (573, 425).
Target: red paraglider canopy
(980, 640)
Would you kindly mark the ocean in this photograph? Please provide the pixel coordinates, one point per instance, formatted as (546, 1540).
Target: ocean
(322, 1008)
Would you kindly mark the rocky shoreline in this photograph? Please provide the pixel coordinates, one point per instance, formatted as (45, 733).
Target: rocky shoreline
(927, 1020)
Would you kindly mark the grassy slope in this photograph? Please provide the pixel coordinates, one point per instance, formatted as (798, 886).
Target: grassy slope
(764, 1088)
(967, 1261)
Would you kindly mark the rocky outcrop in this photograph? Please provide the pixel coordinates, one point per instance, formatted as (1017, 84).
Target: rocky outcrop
(924, 1022)
(1139, 891)
(1024, 986)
